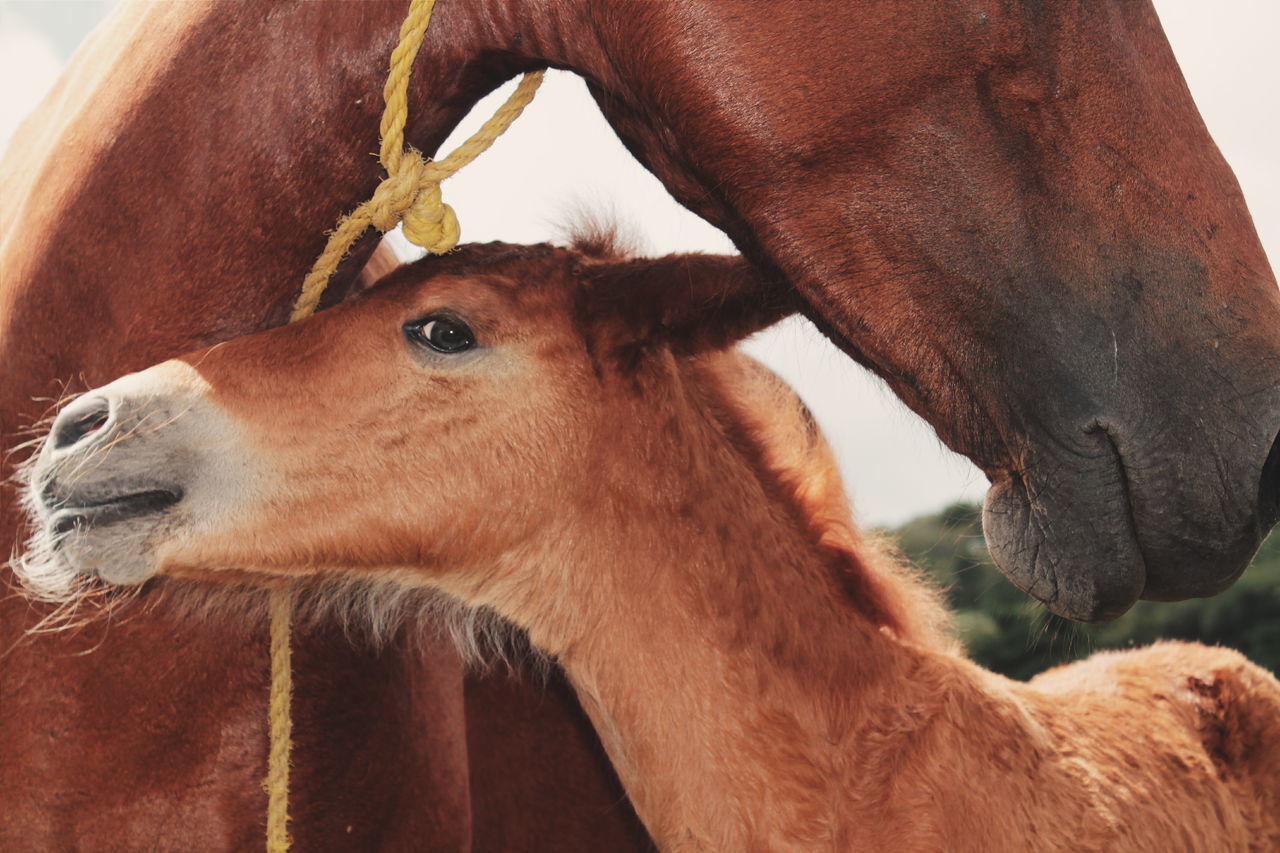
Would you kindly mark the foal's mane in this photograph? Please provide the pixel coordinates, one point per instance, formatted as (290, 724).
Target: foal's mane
(775, 432)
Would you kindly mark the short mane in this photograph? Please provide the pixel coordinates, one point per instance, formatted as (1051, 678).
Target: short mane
(795, 463)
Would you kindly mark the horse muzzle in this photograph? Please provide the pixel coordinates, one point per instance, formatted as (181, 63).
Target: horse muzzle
(1155, 511)
(114, 477)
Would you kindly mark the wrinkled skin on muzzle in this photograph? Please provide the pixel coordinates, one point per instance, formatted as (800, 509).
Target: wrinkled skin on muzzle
(1146, 459)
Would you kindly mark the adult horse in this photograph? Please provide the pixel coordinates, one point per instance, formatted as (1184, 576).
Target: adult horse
(924, 175)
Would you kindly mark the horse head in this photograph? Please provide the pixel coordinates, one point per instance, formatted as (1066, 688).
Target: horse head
(1012, 212)
(456, 414)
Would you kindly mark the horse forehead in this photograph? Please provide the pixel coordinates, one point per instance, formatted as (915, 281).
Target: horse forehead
(518, 286)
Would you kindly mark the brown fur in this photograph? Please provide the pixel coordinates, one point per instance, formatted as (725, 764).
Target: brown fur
(668, 525)
(924, 175)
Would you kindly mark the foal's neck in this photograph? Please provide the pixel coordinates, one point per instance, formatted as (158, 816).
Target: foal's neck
(720, 654)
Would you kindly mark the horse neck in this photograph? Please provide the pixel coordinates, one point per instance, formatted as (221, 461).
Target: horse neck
(709, 636)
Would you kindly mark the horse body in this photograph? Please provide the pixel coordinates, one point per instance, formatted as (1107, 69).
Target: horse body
(827, 177)
(661, 517)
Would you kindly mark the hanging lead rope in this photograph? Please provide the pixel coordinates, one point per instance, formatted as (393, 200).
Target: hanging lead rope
(410, 193)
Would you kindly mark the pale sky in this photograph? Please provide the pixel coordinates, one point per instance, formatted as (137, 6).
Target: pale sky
(561, 156)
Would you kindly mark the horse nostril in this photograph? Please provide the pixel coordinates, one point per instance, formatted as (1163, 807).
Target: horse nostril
(1269, 493)
(83, 417)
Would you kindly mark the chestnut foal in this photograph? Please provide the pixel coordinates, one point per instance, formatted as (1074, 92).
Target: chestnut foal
(567, 439)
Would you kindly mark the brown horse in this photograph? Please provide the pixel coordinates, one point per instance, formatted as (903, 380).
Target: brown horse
(565, 441)
(923, 174)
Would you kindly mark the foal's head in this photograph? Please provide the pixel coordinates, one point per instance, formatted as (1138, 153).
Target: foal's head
(433, 425)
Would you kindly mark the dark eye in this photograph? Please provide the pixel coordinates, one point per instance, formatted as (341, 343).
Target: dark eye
(442, 334)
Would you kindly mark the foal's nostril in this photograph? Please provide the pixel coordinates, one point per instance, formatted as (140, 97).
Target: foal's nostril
(83, 417)
(1269, 492)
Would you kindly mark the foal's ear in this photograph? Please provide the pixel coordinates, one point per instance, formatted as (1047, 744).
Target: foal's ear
(691, 303)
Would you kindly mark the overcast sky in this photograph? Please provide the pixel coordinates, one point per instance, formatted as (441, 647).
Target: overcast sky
(561, 155)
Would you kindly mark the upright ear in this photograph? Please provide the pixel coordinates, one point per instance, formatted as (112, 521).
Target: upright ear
(691, 303)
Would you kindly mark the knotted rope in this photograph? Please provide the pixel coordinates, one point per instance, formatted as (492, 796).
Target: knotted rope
(411, 190)
(411, 194)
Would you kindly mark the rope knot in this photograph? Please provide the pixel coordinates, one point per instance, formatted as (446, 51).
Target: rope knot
(411, 194)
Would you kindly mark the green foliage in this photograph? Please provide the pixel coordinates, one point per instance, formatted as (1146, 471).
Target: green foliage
(1006, 631)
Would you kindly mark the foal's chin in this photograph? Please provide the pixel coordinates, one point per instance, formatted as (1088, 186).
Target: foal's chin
(62, 563)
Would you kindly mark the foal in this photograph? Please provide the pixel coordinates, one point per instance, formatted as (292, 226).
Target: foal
(567, 439)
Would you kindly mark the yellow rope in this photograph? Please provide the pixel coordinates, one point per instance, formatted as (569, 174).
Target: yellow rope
(278, 839)
(411, 190)
(410, 193)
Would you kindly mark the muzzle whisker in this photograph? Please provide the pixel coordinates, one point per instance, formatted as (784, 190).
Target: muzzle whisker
(172, 419)
(67, 616)
(108, 614)
(136, 429)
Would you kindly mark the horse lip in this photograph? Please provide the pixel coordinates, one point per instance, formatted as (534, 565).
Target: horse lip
(1114, 572)
(69, 516)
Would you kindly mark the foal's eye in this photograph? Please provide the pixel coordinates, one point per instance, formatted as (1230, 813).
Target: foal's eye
(442, 334)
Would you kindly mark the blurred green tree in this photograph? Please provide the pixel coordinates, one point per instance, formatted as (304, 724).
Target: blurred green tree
(1006, 631)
